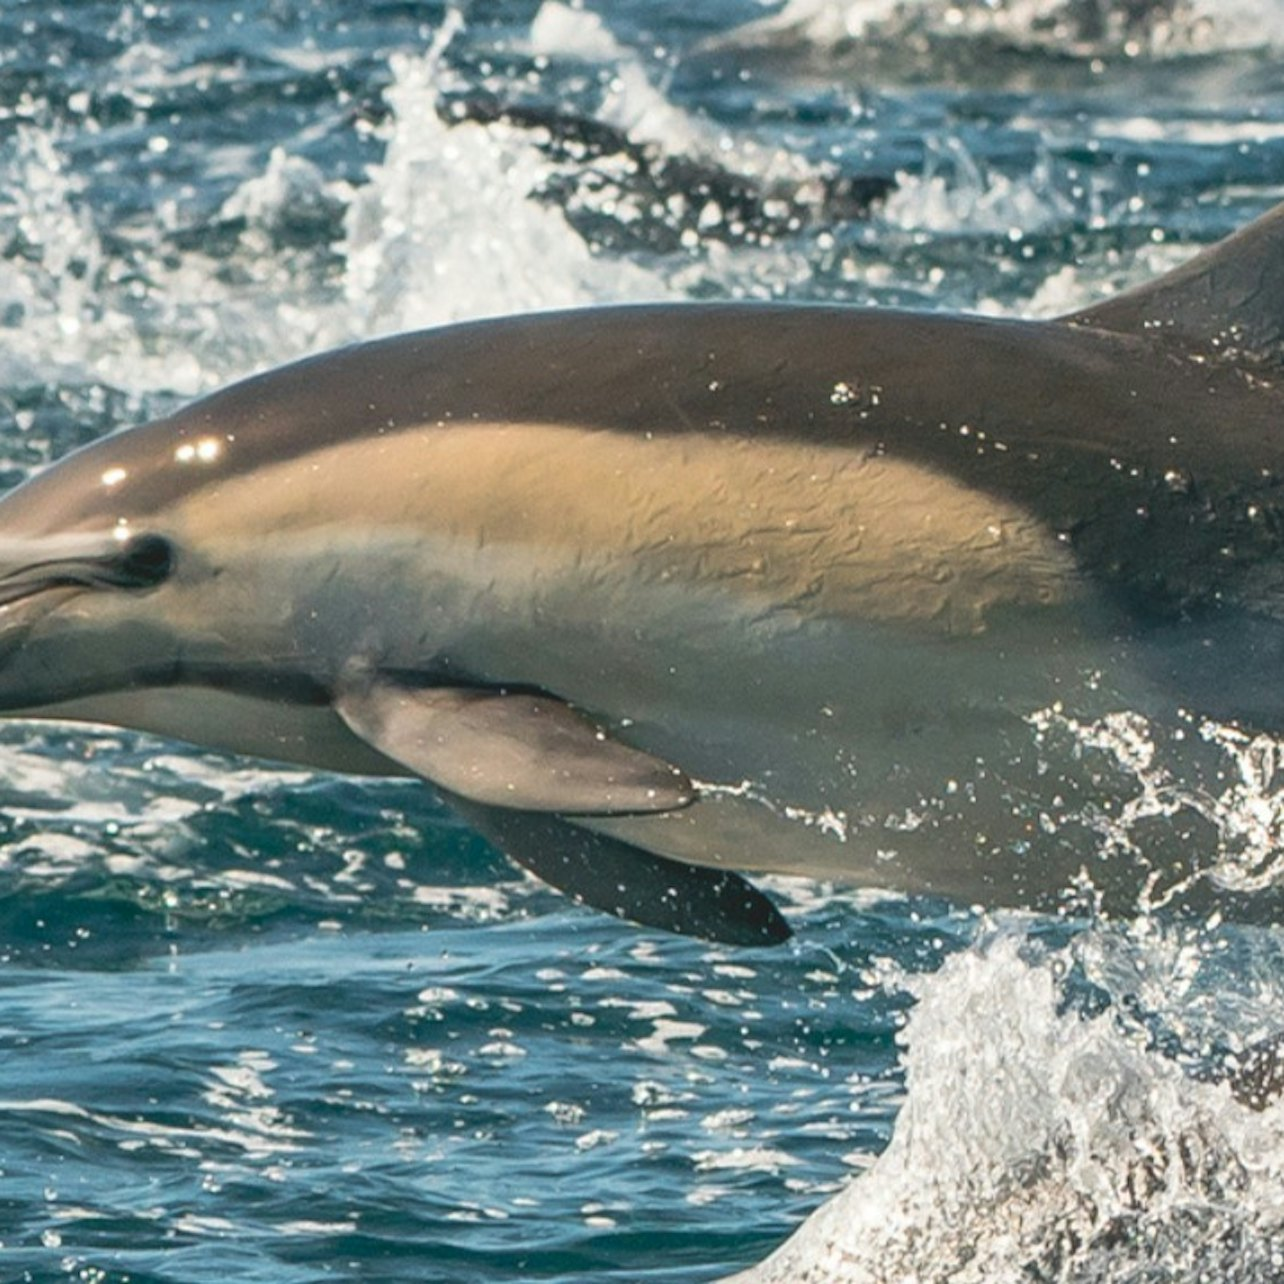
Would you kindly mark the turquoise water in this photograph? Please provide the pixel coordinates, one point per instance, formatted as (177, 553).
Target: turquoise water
(269, 1025)
(316, 1028)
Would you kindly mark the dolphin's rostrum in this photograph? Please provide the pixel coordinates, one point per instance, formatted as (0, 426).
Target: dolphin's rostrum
(650, 594)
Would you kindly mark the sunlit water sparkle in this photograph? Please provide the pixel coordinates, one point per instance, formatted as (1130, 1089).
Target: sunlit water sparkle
(268, 1025)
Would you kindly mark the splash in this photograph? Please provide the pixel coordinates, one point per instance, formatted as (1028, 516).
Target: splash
(53, 258)
(137, 317)
(1036, 1144)
(1079, 285)
(459, 217)
(954, 193)
(449, 224)
(641, 110)
(447, 227)
(1231, 800)
(1151, 29)
(1067, 1115)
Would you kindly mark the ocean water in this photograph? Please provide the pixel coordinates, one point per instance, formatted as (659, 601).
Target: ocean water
(260, 1024)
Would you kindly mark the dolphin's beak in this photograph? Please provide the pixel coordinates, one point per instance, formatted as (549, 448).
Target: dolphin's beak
(26, 582)
(31, 567)
(35, 566)
(23, 602)
(38, 575)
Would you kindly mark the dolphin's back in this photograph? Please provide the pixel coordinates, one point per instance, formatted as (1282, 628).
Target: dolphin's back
(1149, 462)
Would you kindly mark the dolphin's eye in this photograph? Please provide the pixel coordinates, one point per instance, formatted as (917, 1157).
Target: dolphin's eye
(143, 562)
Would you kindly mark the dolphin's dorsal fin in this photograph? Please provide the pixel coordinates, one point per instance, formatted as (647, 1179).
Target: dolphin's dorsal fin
(1227, 301)
(510, 749)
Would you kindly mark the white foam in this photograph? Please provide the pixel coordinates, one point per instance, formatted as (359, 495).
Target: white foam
(48, 294)
(1240, 800)
(821, 23)
(561, 29)
(636, 105)
(256, 1133)
(1039, 1144)
(289, 186)
(79, 317)
(744, 1159)
(955, 194)
(449, 226)
(1196, 26)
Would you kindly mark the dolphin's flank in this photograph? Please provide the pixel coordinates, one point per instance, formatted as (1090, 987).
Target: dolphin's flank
(654, 594)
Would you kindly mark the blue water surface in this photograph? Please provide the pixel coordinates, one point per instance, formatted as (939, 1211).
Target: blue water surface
(260, 1024)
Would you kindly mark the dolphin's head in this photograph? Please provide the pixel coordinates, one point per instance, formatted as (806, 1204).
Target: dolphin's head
(139, 559)
(101, 587)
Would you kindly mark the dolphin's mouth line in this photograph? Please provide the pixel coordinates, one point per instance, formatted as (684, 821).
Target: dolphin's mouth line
(17, 588)
(138, 563)
(273, 685)
(261, 681)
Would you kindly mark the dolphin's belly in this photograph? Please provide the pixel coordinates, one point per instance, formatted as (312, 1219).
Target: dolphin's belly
(882, 761)
(991, 770)
(881, 754)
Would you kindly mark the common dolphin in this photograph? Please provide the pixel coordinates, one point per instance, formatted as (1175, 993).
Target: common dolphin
(654, 593)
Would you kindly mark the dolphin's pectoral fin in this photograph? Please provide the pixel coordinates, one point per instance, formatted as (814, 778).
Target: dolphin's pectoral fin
(629, 882)
(506, 760)
(511, 749)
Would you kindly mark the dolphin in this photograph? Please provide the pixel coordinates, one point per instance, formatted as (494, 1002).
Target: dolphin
(660, 596)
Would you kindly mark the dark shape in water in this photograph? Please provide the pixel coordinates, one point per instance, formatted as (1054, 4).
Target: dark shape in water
(670, 191)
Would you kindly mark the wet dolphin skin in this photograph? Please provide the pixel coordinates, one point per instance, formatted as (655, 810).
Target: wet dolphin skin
(653, 595)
